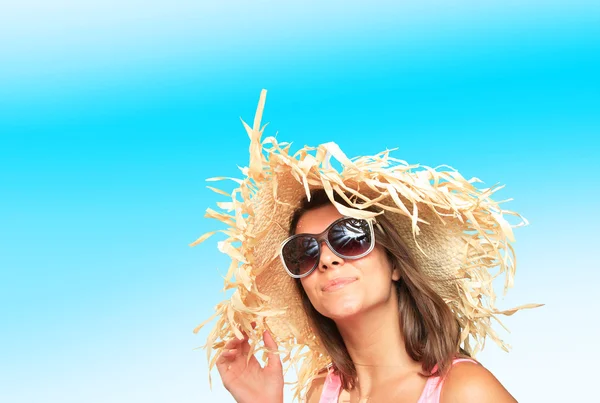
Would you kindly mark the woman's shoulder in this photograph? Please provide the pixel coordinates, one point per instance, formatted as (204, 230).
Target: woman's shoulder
(469, 381)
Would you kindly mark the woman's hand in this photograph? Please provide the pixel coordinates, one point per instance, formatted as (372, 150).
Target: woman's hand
(245, 379)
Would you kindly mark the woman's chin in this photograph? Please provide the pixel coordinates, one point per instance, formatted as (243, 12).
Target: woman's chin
(344, 308)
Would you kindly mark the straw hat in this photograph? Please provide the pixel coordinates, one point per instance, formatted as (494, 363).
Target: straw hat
(459, 237)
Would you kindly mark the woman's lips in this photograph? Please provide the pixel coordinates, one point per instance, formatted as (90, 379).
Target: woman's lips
(338, 283)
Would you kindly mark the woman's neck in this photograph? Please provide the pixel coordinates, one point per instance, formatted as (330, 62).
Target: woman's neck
(376, 346)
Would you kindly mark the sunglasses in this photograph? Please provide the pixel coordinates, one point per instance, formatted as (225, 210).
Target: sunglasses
(348, 238)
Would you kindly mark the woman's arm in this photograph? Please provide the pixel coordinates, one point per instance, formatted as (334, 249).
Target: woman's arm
(471, 383)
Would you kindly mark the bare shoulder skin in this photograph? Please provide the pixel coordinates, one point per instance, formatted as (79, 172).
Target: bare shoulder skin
(469, 382)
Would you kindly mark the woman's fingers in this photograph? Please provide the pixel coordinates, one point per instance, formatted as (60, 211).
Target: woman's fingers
(227, 357)
(236, 348)
(274, 360)
(244, 347)
(269, 341)
(231, 350)
(233, 343)
(231, 353)
(223, 364)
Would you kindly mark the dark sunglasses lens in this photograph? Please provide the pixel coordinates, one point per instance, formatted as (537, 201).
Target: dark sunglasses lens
(350, 237)
(300, 254)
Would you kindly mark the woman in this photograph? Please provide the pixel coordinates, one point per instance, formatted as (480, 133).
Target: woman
(379, 281)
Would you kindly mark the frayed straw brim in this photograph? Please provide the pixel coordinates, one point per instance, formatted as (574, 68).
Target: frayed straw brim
(457, 233)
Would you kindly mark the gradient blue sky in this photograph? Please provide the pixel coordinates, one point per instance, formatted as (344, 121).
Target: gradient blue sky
(112, 114)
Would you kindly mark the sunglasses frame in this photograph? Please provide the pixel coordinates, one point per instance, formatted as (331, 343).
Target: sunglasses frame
(323, 237)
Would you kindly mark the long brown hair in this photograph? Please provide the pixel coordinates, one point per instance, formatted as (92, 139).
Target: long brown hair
(430, 330)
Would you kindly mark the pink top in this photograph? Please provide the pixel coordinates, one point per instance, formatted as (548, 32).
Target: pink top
(431, 393)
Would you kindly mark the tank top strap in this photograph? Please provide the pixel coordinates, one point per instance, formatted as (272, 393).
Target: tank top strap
(433, 387)
(331, 388)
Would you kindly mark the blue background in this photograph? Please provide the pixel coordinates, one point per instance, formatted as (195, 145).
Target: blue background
(113, 113)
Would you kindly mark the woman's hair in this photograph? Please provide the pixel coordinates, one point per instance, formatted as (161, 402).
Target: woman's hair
(430, 330)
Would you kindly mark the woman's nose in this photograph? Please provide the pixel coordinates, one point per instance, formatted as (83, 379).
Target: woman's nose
(328, 258)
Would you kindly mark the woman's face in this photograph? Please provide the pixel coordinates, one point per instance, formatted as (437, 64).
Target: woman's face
(341, 288)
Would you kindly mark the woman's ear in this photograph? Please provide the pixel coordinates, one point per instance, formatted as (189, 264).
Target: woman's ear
(395, 272)
(394, 263)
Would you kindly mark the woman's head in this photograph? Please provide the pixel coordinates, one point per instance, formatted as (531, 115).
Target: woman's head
(339, 288)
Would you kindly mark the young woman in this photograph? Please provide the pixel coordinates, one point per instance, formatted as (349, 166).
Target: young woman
(374, 282)
(380, 321)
